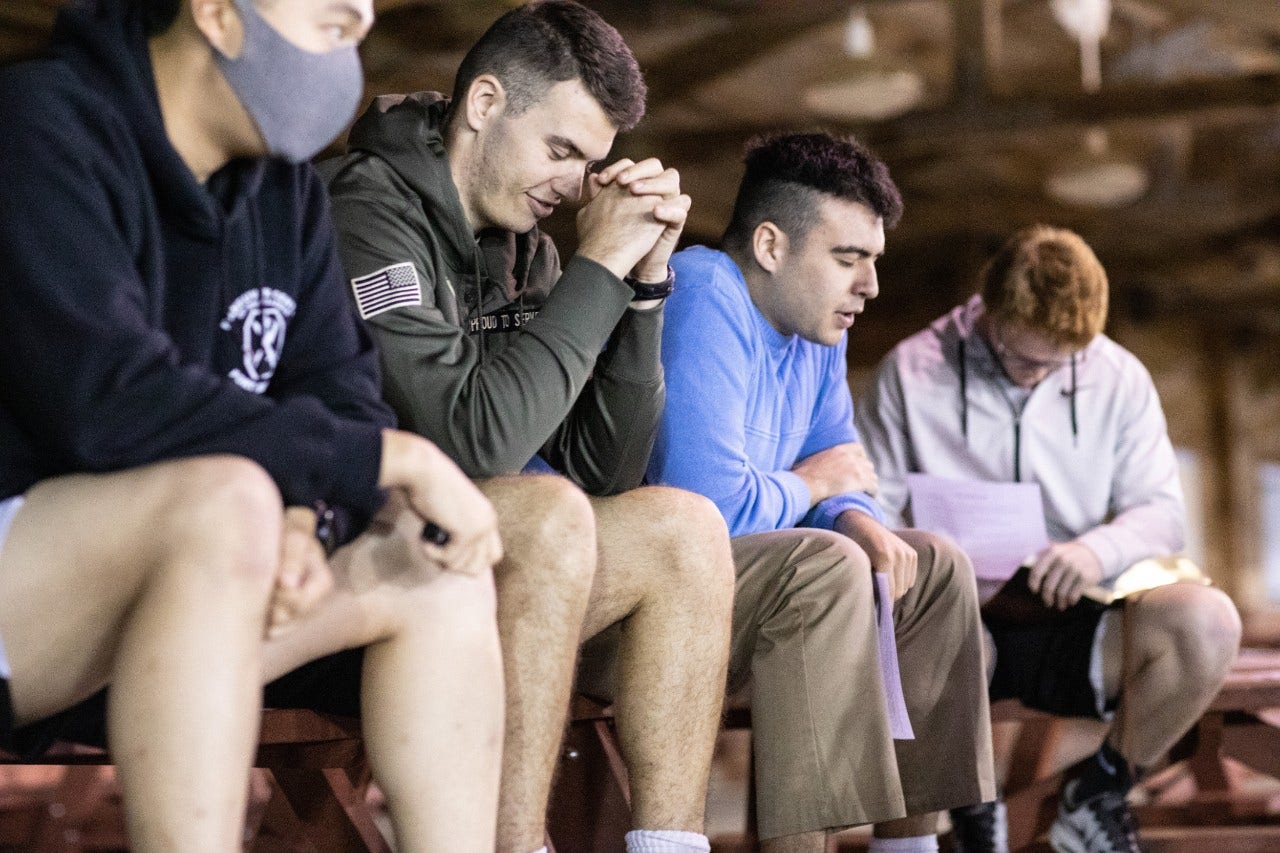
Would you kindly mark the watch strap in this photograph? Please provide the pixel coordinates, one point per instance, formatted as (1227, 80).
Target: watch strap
(645, 291)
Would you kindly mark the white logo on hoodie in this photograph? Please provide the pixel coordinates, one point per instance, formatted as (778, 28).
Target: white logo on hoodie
(260, 316)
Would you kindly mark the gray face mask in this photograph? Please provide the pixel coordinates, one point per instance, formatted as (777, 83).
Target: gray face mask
(299, 100)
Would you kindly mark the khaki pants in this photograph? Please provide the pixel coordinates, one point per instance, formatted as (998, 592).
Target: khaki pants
(804, 637)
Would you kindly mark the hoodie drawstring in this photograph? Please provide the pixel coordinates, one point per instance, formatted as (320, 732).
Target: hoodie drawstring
(1017, 415)
(964, 394)
(1075, 425)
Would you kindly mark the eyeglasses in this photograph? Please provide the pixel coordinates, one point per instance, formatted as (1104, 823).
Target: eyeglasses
(1019, 363)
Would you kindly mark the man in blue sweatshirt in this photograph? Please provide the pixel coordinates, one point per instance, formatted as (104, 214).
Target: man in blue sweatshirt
(759, 419)
(187, 403)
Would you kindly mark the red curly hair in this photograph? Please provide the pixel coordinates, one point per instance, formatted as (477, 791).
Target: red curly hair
(1049, 280)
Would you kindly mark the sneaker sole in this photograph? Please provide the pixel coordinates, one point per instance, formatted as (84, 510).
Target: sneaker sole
(1062, 841)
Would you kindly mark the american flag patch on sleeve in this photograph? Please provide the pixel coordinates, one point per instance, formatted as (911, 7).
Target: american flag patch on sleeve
(390, 287)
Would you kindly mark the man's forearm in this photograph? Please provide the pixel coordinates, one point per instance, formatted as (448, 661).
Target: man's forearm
(492, 415)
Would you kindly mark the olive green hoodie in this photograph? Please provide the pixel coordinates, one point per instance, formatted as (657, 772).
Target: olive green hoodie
(502, 355)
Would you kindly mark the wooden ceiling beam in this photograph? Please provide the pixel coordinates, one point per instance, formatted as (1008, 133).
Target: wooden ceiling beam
(753, 34)
(939, 130)
(35, 16)
(1251, 15)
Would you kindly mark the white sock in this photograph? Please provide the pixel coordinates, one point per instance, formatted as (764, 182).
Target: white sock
(539, 850)
(915, 844)
(666, 841)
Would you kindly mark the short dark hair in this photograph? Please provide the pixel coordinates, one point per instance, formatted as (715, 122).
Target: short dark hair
(539, 44)
(158, 15)
(787, 175)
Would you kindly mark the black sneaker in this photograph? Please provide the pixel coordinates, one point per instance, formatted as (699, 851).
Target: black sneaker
(1101, 824)
(983, 828)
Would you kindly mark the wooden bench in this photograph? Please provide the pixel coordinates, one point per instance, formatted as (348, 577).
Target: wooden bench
(1242, 724)
(314, 780)
(311, 789)
(590, 808)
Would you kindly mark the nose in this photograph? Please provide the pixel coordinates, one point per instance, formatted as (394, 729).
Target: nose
(867, 285)
(569, 185)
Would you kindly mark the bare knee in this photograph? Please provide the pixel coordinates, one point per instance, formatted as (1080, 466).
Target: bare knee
(563, 516)
(548, 532)
(222, 512)
(463, 607)
(1200, 624)
(689, 538)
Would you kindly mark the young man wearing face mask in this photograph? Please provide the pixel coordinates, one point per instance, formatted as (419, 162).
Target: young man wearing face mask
(500, 355)
(187, 403)
(758, 419)
(1020, 385)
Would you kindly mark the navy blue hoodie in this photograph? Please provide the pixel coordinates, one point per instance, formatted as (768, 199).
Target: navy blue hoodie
(145, 317)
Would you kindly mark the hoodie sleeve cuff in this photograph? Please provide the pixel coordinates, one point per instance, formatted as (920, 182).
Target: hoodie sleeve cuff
(636, 355)
(1099, 541)
(355, 476)
(588, 295)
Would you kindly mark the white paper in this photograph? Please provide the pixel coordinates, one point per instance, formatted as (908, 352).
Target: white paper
(895, 704)
(998, 525)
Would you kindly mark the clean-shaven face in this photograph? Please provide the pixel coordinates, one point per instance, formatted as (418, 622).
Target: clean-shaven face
(527, 164)
(824, 282)
(319, 26)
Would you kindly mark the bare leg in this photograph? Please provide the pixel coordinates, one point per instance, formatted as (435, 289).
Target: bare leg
(1184, 639)
(431, 696)
(666, 571)
(156, 580)
(549, 537)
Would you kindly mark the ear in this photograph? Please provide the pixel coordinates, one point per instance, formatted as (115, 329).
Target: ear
(219, 22)
(769, 246)
(486, 99)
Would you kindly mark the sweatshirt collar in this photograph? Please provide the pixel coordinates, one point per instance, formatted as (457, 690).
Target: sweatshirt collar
(775, 340)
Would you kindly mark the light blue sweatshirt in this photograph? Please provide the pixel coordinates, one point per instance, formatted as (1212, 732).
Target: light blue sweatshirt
(745, 402)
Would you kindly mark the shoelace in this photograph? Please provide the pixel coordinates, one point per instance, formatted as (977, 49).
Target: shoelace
(1116, 820)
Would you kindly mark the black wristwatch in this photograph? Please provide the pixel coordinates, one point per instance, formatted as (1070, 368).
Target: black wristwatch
(657, 290)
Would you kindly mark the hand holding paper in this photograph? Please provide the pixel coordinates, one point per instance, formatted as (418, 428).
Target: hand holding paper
(999, 525)
(1062, 572)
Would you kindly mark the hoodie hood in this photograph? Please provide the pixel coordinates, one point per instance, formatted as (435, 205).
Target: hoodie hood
(407, 132)
(104, 43)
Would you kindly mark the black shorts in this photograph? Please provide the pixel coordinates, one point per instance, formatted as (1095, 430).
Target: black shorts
(330, 685)
(84, 723)
(1044, 664)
